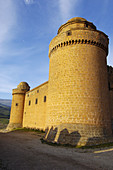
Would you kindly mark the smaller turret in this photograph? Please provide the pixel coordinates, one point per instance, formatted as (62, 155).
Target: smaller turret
(17, 107)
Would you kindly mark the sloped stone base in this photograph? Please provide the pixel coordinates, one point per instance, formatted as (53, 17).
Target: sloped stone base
(13, 126)
(78, 134)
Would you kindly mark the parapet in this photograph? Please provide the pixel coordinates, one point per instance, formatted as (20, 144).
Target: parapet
(79, 23)
(22, 88)
(79, 31)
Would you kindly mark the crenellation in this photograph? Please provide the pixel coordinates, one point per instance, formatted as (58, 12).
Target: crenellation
(79, 41)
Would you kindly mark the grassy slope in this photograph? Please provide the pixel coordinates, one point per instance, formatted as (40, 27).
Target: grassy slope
(4, 115)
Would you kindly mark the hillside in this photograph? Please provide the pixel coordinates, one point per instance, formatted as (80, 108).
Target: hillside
(5, 107)
(6, 102)
(4, 111)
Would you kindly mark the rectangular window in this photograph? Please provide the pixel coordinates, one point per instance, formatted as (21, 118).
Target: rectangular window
(36, 101)
(37, 91)
(16, 104)
(44, 98)
(29, 102)
(86, 25)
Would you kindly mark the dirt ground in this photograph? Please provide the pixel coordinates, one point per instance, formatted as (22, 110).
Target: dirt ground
(24, 151)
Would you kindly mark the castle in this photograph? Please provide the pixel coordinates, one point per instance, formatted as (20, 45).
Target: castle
(75, 105)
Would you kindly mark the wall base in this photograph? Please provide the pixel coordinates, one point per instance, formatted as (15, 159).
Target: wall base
(13, 126)
(78, 134)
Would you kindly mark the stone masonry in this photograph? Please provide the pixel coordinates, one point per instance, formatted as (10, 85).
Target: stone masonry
(75, 105)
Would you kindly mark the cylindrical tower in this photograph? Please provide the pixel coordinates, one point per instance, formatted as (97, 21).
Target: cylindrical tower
(78, 96)
(17, 107)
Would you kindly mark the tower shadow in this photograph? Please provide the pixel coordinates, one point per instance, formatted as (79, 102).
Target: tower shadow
(69, 138)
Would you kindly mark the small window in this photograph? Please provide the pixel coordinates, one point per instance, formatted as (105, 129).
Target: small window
(37, 91)
(29, 102)
(86, 25)
(44, 98)
(16, 104)
(36, 101)
(69, 33)
(28, 95)
(109, 86)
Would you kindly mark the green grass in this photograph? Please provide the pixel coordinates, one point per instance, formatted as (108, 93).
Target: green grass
(28, 130)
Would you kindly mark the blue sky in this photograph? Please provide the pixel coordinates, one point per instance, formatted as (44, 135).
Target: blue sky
(28, 26)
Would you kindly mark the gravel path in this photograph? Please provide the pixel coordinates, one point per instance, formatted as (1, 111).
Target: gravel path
(24, 151)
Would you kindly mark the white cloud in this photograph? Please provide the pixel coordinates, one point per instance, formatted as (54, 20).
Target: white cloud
(27, 2)
(67, 8)
(6, 74)
(7, 20)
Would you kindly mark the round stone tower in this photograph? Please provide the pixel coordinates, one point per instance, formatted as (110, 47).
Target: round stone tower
(78, 94)
(17, 107)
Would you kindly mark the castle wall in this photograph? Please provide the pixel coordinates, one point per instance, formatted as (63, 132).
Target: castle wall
(78, 94)
(110, 84)
(111, 104)
(17, 109)
(35, 107)
(75, 105)
(77, 88)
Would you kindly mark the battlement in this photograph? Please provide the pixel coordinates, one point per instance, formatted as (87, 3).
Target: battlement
(22, 88)
(79, 31)
(79, 41)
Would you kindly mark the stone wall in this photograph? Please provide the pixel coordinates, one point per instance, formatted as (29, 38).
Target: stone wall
(75, 105)
(78, 90)
(17, 107)
(35, 107)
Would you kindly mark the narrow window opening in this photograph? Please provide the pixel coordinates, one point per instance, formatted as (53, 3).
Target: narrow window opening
(44, 98)
(37, 91)
(86, 25)
(36, 101)
(69, 33)
(16, 104)
(29, 102)
(109, 86)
